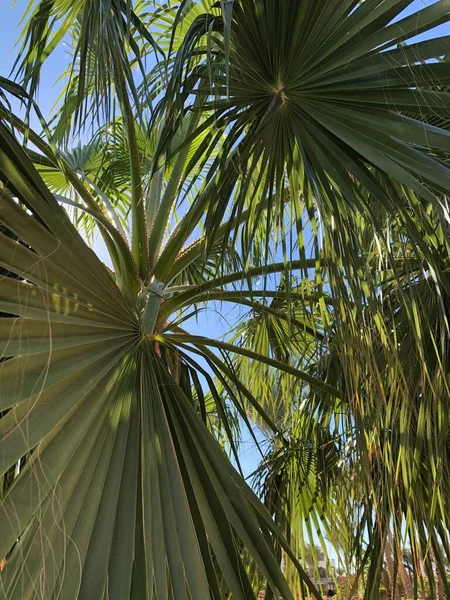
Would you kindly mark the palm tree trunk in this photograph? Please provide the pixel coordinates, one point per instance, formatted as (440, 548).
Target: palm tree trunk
(387, 585)
(390, 567)
(440, 590)
(438, 581)
(404, 576)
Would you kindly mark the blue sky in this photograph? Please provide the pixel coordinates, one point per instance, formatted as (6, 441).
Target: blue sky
(9, 34)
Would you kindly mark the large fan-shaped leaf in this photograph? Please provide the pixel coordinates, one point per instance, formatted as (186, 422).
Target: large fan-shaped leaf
(314, 95)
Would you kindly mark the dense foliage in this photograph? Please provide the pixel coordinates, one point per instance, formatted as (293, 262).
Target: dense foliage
(288, 159)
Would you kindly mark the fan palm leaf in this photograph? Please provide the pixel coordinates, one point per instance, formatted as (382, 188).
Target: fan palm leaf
(313, 94)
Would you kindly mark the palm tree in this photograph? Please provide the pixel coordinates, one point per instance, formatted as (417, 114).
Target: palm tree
(267, 129)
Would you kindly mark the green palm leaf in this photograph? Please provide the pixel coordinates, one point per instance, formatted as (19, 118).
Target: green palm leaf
(314, 95)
